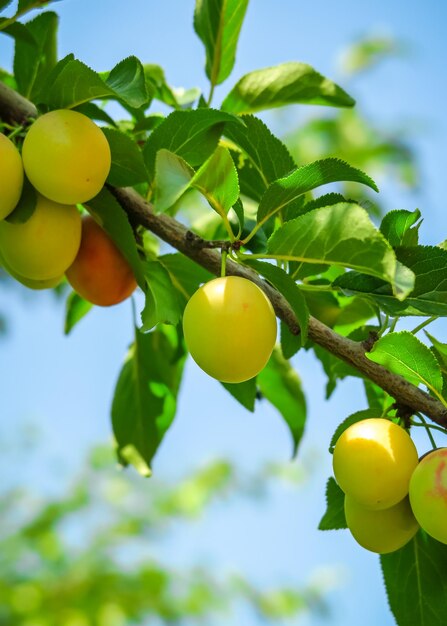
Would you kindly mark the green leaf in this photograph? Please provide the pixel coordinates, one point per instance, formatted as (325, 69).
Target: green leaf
(415, 582)
(264, 157)
(376, 397)
(162, 298)
(217, 180)
(355, 314)
(17, 31)
(369, 51)
(290, 344)
(127, 80)
(149, 122)
(244, 393)
(26, 5)
(324, 306)
(334, 368)
(95, 112)
(34, 62)
(172, 178)
(157, 86)
(429, 295)
(281, 386)
(288, 288)
(144, 403)
(334, 517)
(348, 421)
(4, 4)
(218, 24)
(325, 200)
(72, 83)
(115, 222)
(401, 227)
(192, 135)
(185, 274)
(341, 235)
(128, 168)
(75, 309)
(404, 354)
(238, 208)
(288, 83)
(285, 190)
(439, 349)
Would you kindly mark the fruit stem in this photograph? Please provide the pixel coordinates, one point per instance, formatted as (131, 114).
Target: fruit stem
(393, 325)
(223, 265)
(427, 429)
(424, 323)
(12, 20)
(17, 130)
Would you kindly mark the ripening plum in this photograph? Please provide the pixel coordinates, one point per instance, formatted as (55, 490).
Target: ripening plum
(428, 494)
(100, 273)
(66, 156)
(46, 244)
(373, 461)
(381, 531)
(11, 176)
(230, 328)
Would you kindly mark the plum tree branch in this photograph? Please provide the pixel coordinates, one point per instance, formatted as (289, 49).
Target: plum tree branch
(14, 107)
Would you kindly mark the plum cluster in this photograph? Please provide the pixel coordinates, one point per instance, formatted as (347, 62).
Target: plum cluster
(389, 494)
(66, 159)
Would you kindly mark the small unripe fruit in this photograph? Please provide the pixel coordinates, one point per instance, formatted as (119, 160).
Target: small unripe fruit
(381, 531)
(66, 156)
(46, 244)
(428, 494)
(100, 273)
(11, 176)
(230, 328)
(373, 461)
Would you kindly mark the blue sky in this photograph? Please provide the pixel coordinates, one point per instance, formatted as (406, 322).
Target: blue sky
(64, 385)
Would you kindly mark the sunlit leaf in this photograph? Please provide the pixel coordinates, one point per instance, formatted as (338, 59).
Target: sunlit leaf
(341, 235)
(401, 227)
(288, 83)
(72, 83)
(285, 190)
(34, 61)
(217, 180)
(218, 23)
(192, 135)
(172, 178)
(404, 354)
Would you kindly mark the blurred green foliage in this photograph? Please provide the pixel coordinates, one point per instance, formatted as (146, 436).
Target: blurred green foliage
(350, 134)
(89, 558)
